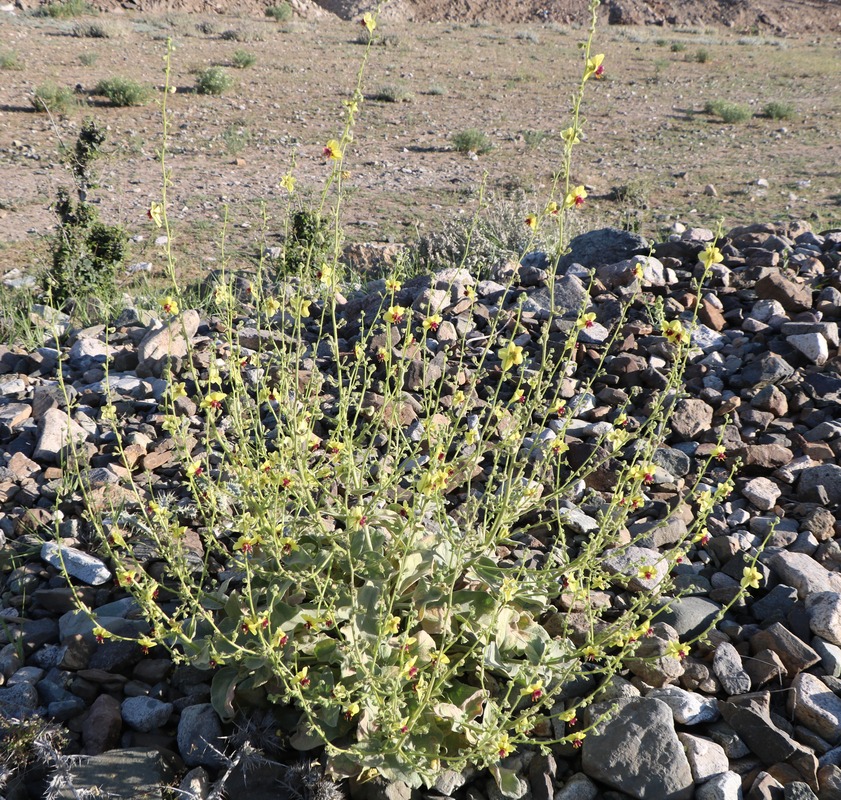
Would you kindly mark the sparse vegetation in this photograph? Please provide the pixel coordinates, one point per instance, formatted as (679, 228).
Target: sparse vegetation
(242, 59)
(393, 94)
(97, 29)
(280, 13)
(533, 138)
(124, 91)
(66, 9)
(779, 110)
(53, 99)
(702, 56)
(727, 111)
(678, 47)
(88, 59)
(214, 81)
(236, 136)
(471, 140)
(9, 60)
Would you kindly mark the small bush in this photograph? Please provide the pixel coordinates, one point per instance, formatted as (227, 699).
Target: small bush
(436, 89)
(727, 111)
(779, 110)
(243, 59)
(243, 35)
(96, 30)
(533, 138)
(702, 56)
(123, 91)
(280, 13)
(206, 27)
(527, 36)
(10, 61)
(393, 94)
(678, 47)
(66, 9)
(472, 141)
(88, 59)
(237, 137)
(53, 99)
(213, 80)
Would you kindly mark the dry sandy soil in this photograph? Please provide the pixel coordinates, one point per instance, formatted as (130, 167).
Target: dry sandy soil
(509, 75)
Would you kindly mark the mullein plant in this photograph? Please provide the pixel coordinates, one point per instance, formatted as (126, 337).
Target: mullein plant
(319, 556)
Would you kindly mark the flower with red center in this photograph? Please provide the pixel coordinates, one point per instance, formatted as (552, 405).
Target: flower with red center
(531, 221)
(394, 315)
(575, 197)
(720, 453)
(647, 573)
(333, 150)
(578, 740)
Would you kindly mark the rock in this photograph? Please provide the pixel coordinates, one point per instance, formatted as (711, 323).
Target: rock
(145, 713)
(824, 611)
(578, 787)
(764, 666)
(18, 700)
(727, 786)
(200, 736)
(797, 790)
(826, 477)
(86, 568)
(690, 418)
(604, 246)
(816, 707)
(802, 572)
(706, 758)
(763, 493)
(102, 725)
(792, 296)
(638, 752)
(165, 343)
(766, 369)
(130, 774)
(631, 562)
(55, 432)
(812, 345)
(795, 654)
(688, 708)
(754, 726)
(690, 616)
(727, 666)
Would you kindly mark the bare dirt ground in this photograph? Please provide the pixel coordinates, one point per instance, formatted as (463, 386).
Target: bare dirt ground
(645, 129)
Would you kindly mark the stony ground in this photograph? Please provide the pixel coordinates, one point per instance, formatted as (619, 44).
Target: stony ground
(651, 155)
(757, 711)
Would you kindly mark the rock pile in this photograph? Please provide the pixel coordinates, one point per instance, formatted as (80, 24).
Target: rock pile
(756, 713)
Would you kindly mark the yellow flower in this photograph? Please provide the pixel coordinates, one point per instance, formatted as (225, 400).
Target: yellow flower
(369, 21)
(587, 320)
(647, 573)
(301, 306)
(156, 214)
(503, 746)
(334, 446)
(508, 590)
(393, 285)
(146, 643)
(247, 543)
(677, 650)
(531, 221)
(394, 315)
(302, 677)
(392, 626)
(675, 332)
(575, 197)
(519, 396)
(594, 66)
(272, 306)
(432, 481)
(535, 690)
(577, 739)
(470, 292)
(559, 446)
(437, 657)
(552, 207)
(213, 400)
(409, 669)
(170, 305)
(570, 135)
(194, 470)
(570, 715)
(325, 274)
(511, 355)
(432, 322)
(288, 182)
(719, 452)
(710, 256)
(101, 634)
(751, 577)
(352, 710)
(126, 577)
(178, 390)
(333, 150)
(356, 517)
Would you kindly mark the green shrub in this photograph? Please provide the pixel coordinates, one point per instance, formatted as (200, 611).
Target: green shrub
(236, 137)
(86, 252)
(393, 94)
(702, 56)
(779, 110)
(727, 111)
(124, 91)
(244, 35)
(280, 13)
(97, 30)
(10, 61)
(307, 244)
(678, 47)
(88, 59)
(242, 59)
(213, 80)
(436, 90)
(53, 99)
(66, 9)
(533, 138)
(471, 140)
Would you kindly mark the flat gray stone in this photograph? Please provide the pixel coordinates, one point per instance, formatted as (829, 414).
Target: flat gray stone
(816, 707)
(706, 758)
(727, 786)
(824, 611)
(131, 774)
(145, 713)
(82, 566)
(200, 736)
(824, 476)
(637, 752)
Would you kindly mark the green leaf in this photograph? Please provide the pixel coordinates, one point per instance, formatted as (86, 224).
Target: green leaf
(507, 781)
(326, 650)
(413, 568)
(222, 691)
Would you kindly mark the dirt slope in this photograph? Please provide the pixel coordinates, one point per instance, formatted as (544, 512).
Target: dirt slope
(780, 16)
